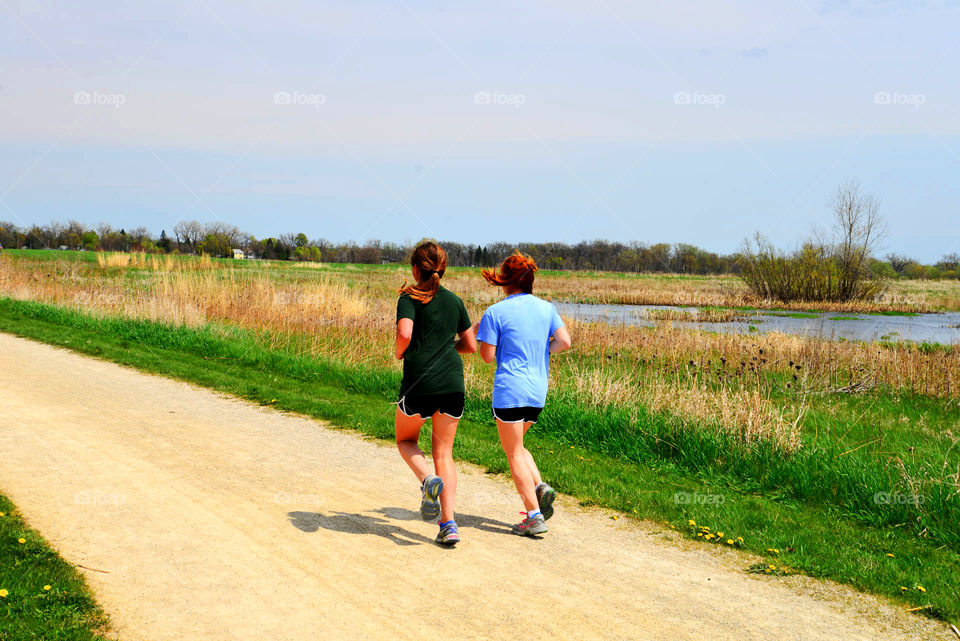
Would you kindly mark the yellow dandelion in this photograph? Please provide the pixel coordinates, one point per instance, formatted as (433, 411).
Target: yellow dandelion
(699, 535)
(3, 594)
(776, 551)
(903, 589)
(921, 588)
(21, 540)
(615, 517)
(729, 541)
(772, 567)
(740, 539)
(634, 510)
(2, 514)
(691, 522)
(890, 555)
(47, 588)
(720, 535)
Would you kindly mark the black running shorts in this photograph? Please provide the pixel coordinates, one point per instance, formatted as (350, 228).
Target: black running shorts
(517, 414)
(429, 404)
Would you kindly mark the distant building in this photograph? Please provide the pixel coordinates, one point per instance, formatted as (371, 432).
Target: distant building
(238, 254)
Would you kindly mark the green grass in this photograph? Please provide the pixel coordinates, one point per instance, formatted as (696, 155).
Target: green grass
(65, 612)
(817, 508)
(844, 318)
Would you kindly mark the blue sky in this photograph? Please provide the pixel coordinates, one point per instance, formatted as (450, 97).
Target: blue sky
(693, 121)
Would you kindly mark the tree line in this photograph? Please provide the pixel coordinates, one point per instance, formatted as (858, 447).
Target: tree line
(220, 239)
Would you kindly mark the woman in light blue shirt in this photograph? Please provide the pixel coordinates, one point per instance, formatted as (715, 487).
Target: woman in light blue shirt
(521, 332)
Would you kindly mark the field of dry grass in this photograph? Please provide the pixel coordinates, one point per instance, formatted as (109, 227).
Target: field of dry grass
(754, 387)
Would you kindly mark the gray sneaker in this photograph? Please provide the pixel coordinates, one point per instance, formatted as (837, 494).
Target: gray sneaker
(449, 534)
(530, 527)
(429, 503)
(546, 495)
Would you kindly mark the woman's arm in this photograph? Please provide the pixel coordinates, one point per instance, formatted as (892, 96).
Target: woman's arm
(487, 351)
(467, 342)
(560, 341)
(404, 334)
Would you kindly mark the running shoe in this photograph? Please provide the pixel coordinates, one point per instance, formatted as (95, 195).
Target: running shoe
(449, 534)
(546, 495)
(530, 527)
(429, 503)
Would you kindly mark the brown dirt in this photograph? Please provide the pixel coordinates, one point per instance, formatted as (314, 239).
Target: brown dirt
(213, 518)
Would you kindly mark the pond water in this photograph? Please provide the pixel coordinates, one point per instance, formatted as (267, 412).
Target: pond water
(922, 328)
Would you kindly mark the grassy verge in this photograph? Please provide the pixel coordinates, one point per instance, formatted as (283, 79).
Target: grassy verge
(41, 595)
(823, 540)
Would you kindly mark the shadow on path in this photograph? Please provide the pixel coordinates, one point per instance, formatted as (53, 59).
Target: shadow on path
(355, 524)
(463, 520)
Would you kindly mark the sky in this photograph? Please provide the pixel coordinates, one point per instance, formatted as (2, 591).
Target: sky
(691, 121)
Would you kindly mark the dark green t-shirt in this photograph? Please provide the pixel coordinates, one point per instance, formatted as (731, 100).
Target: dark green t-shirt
(431, 364)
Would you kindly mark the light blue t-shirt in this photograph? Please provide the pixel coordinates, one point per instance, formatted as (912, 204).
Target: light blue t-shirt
(520, 326)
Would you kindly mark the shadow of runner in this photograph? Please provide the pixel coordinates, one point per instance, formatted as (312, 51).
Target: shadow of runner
(463, 520)
(354, 524)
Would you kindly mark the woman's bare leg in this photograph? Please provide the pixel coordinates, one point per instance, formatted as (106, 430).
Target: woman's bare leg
(537, 479)
(511, 439)
(444, 432)
(408, 432)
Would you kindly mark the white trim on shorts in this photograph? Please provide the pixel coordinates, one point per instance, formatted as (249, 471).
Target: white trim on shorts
(400, 407)
(494, 411)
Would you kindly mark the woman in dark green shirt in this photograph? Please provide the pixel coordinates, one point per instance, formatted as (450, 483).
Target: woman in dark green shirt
(433, 329)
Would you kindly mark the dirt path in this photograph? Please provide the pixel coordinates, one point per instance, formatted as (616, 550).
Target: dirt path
(218, 519)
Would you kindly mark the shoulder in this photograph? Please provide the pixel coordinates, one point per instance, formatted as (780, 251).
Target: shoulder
(544, 304)
(445, 294)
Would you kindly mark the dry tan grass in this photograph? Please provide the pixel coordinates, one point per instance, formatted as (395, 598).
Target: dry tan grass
(708, 315)
(818, 364)
(745, 414)
(718, 379)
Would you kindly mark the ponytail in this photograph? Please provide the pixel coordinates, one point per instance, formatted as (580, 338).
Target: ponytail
(516, 271)
(431, 260)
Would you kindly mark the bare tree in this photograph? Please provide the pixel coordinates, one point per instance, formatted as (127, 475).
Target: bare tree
(188, 233)
(858, 231)
(949, 262)
(898, 262)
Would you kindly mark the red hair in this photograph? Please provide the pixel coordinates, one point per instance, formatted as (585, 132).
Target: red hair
(431, 260)
(516, 271)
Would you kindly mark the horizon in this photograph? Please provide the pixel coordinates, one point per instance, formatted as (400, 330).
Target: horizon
(692, 123)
